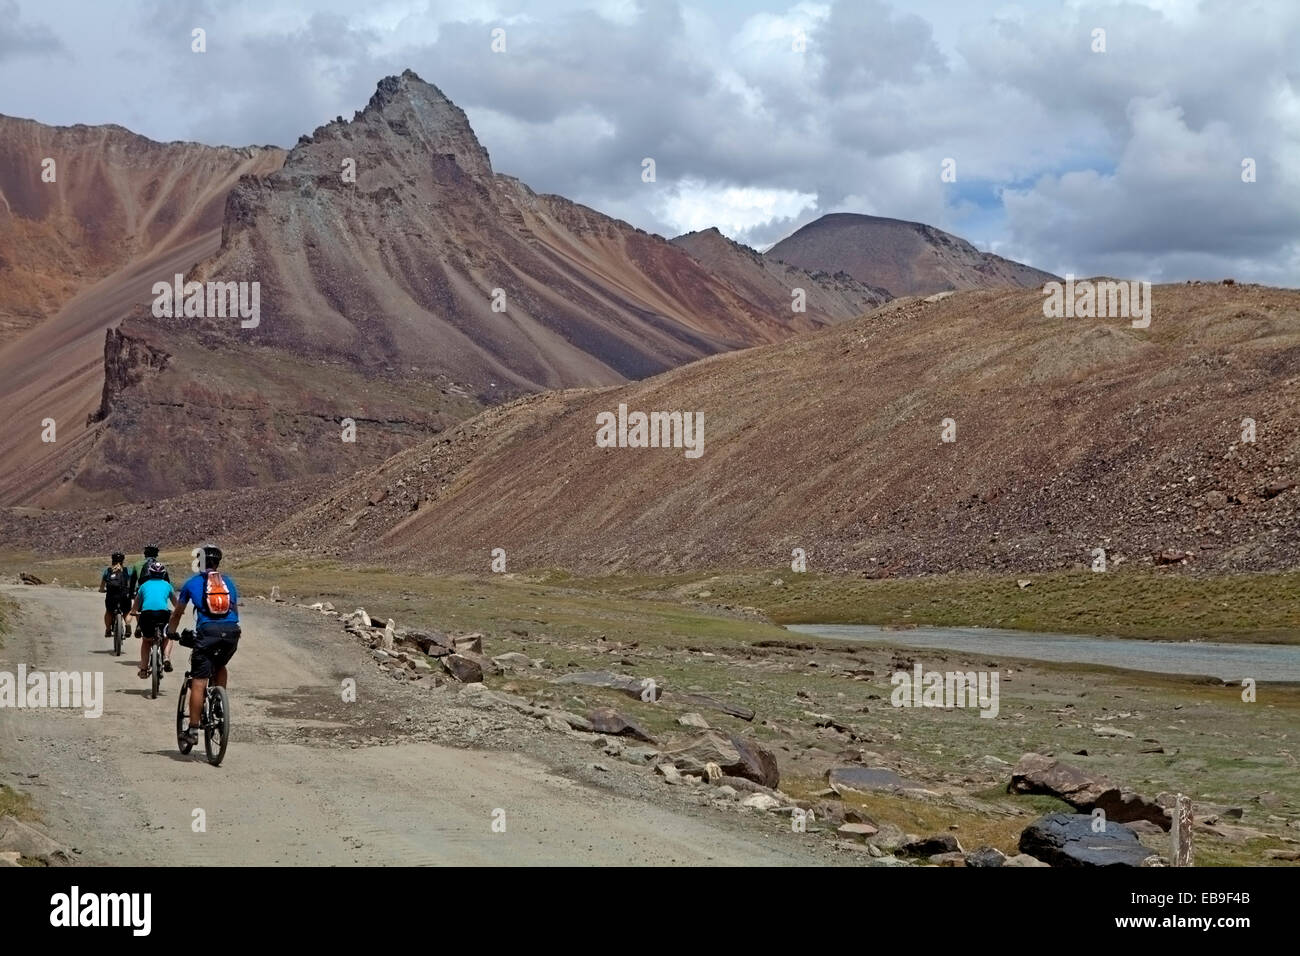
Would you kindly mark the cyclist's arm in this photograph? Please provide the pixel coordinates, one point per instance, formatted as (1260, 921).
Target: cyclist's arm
(103, 581)
(177, 612)
(135, 605)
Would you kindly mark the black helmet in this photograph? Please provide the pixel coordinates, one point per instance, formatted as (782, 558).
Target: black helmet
(117, 557)
(211, 556)
(151, 550)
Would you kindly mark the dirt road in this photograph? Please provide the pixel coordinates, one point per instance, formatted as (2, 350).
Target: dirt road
(300, 784)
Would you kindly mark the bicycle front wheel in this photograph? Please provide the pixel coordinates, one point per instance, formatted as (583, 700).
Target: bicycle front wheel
(216, 729)
(182, 712)
(155, 666)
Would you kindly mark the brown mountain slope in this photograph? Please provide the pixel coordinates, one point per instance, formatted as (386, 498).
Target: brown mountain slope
(906, 258)
(401, 266)
(376, 303)
(116, 198)
(1071, 435)
(831, 298)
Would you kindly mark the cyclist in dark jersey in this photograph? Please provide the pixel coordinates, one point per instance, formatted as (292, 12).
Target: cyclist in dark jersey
(115, 585)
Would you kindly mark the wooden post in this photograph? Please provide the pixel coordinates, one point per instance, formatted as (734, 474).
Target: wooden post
(1181, 831)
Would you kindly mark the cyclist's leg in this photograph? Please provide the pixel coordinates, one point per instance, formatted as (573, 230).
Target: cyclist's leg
(198, 687)
(227, 650)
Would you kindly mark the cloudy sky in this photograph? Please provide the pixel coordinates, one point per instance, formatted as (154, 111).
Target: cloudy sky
(762, 115)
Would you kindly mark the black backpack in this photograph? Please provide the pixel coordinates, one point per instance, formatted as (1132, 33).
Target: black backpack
(116, 577)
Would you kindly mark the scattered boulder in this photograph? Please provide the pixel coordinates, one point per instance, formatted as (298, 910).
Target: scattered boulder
(857, 830)
(669, 772)
(734, 756)
(1172, 556)
(606, 720)
(1024, 859)
(889, 837)
(551, 722)
(359, 616)
(693, 720)
(930, 846)
(639, 687)
(760, 801)
(1068, 839)
(986, 856)
(432, 643)
(948, 859)
(463, 669)
(29, 578)
(470, 642)
(1036, 773)
(867, 779)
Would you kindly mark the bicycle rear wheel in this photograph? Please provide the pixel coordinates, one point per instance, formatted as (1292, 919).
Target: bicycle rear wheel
(182, 711)
(216, 729)
(155, 665)
(118, 631)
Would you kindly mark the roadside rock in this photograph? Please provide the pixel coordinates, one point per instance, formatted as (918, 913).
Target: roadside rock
(760, 801)
(931, 846)
(551, 722)
(463, 669)
(1068, 839)
(986, 856)
(1024, 859)
(693, 720)
(857, 830)
(889, 838)
(606, 720)
(736, 756)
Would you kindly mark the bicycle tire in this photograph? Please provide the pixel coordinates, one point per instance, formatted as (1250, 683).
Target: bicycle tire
(182, 711)
(155, 666)
(216, 729)
(118, 631)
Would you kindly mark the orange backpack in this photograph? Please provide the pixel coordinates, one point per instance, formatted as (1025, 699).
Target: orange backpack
(216, 596)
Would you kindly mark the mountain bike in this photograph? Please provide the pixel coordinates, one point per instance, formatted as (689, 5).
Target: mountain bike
(214, 718)
(119, 632)
(156, 658)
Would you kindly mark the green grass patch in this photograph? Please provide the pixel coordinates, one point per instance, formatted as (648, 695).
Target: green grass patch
(1148, 605)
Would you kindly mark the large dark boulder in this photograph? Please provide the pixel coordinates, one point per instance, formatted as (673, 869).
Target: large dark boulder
(1068, 839)
(463, 669)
